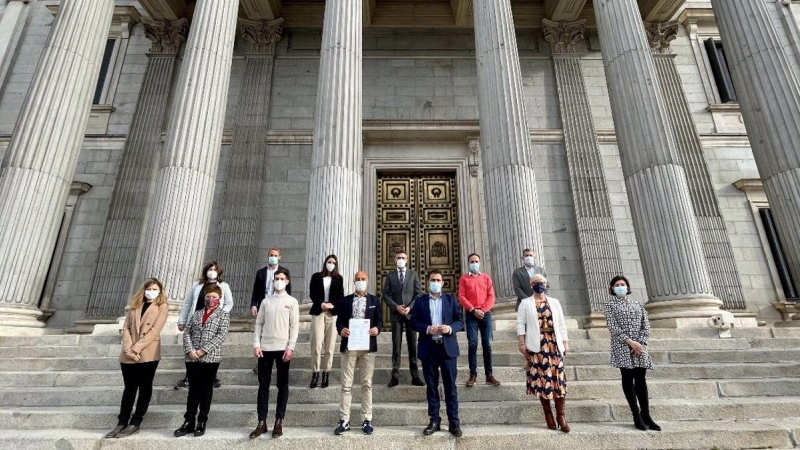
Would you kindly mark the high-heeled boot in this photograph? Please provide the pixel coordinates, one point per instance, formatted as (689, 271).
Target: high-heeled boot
(548, 414)
(560, 417)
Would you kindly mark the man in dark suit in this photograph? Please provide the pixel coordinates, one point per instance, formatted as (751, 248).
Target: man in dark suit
(262, 287)
(437, 319)
(400, 289)
(359, 305)
(521, 279)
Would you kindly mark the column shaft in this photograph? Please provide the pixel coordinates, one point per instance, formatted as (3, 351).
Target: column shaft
(508, 168)
(180, 213)
(668, 237)
(334, 212)
(43, 152)
(768, 87)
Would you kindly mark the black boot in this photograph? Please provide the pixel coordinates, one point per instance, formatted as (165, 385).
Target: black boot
(630, 396)
(186, 428)
(644, 400)
(637, 419)
(314, 380)
(201, 428)
(324, 380)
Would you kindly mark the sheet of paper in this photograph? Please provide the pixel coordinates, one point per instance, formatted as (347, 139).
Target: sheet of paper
(359, 334)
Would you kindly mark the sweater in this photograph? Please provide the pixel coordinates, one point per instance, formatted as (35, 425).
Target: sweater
(277, 324)
(476, 292)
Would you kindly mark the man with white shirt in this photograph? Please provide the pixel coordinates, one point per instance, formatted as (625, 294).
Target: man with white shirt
(521, 277)
(263, 286)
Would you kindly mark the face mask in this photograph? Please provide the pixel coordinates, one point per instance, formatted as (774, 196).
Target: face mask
(539, 288)
(474, 267)
(272, 260)
(435, 287)
(151, 294)
(212, 302)
(621, 291)
(528, 260)
(361, 286)
(212, 274)
(279, 285)
(330, 267)
(401, 263)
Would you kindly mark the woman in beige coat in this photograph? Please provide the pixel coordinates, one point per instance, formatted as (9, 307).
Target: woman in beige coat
(141, 351)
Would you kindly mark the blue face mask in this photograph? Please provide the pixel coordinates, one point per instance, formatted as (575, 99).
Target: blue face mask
(621, 291)
(435, 287)
(539, 288)
(474, 267)
(273, 260)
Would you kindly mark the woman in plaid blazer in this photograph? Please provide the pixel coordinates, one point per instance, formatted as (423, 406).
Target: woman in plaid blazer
(203, 336)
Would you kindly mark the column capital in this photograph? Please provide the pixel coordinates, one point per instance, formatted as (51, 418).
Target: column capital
(565, 37)
(262, 35)
(166, 35)
(660, 34)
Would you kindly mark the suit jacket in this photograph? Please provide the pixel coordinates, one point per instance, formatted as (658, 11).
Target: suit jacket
(260, 286)
(143, 333)
(421, 320)
(522, 282)
(344, 312)
(316, 291)
(395, 294)
(208, 337)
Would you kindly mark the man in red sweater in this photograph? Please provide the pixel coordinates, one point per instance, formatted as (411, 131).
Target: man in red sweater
(476, 295)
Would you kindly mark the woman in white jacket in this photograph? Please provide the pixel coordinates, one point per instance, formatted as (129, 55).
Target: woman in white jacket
(543, 340)
(195, 301)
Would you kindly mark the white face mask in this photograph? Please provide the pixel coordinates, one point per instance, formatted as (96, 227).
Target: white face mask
(272, 260)
(330, 267)
(151, 294)
(212, 274)
(401, 263)
(361, 286)
(528, 260)
(279, 285)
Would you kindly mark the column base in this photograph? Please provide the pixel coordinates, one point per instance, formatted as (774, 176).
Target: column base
(685, 313)
(21, 322)
(87, 326)
(595, 320)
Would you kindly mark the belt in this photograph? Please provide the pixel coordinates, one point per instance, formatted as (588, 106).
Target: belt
(438, 341)
(543, 330)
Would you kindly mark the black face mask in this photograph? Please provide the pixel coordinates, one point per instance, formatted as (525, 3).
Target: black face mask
(539, 288)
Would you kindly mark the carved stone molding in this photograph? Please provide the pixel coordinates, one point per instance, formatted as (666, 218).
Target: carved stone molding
(166, 35)
(660, 34)
(474, 159)
(565, 37)
(262, 35)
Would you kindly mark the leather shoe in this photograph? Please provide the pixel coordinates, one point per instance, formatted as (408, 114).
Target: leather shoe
(277, 429)
(432, 427)
(492, 380)
(186, 428)
(113, 433)
(260, 429)
(472, 380)
(130, 430)
(394, 381)
(417, 382)
(456, 431)
(325, 380)
(200, 429)
(314, 380)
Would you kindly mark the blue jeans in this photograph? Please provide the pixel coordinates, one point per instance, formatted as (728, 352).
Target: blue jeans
(485, 326)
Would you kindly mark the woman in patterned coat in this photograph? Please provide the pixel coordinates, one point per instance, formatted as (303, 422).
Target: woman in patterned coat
(543, 340)
(630, 328)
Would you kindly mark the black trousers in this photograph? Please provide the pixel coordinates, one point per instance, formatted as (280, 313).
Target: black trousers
(137, 377)
(201, 377)
(265, 364)
(634, 385)
(397, 346)
(438, 362)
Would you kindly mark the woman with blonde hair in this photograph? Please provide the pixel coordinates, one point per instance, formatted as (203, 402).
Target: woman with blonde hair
(141, 351)
(543, 340)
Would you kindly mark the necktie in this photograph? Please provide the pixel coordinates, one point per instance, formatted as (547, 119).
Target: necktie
(402, 276)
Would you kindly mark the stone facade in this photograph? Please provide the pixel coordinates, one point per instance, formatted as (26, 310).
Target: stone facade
(420, 88)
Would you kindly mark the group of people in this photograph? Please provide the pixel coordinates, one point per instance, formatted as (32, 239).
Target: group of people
(429, 320)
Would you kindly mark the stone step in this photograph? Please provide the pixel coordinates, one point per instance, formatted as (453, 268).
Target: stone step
(731, 356)
(676, 435)
(408, 414)
(299, 375)
(509, 391)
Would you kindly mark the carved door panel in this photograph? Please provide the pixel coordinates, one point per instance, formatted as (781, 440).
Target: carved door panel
(419, 215)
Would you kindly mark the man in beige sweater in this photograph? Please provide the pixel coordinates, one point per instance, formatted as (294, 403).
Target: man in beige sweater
(277, 326)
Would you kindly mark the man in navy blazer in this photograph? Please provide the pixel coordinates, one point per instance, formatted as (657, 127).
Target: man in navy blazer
(437, 318)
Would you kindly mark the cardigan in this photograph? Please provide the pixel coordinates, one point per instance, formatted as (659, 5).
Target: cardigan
(528, 323)
(189, 302)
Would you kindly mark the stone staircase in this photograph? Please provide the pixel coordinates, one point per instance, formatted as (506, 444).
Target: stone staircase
(63, 391)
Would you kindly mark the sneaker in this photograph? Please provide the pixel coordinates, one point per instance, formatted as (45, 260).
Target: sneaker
(182, 383)
(366, 427)
(342, 428)
(217, 383)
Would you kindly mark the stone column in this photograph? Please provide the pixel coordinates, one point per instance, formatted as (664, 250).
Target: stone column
(175, 241)
(114, 275)
(716, 245)
(512, 204)
(596, 232)
(240, 221)
(768, 87)
(41, 158)
(334, 211)
(14, 17)
(668, 237)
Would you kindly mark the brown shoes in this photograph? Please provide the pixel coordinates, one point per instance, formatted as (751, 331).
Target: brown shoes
(277, 430)
(471, 382)
(491, 380)
(260, 429)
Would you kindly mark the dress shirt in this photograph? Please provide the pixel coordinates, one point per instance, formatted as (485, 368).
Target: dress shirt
(270, 280)
(531, 271)
(436, 313)
(359, 306)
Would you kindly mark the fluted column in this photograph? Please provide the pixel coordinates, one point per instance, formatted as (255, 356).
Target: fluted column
(596, 231)
(180, 212)
(667, 234)
(512, 204)
(240, 220)
(113, 277)
(768, 88)
(334, 211)
(38, 167)
(716, 245)
(12, 23)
